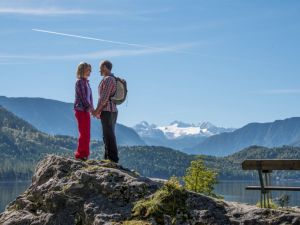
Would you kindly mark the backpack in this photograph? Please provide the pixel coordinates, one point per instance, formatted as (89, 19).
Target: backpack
(121, 91)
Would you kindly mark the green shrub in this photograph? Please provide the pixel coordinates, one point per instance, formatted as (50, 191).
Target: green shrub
(199, 178)
(168, 200)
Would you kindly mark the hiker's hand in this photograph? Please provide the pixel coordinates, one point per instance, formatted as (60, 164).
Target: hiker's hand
(98, 116)
(94, 113)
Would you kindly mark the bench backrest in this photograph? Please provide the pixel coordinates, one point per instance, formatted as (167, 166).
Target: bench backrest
(271, 164)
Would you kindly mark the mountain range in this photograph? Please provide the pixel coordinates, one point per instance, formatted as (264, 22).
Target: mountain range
(56, 117)
(22, 146)
(271, 134)
(177, 135)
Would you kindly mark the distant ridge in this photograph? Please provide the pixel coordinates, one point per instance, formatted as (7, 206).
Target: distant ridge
(56, 117)
(271, 134)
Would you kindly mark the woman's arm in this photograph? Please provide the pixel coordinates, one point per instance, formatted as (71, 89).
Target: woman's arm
(81, 91)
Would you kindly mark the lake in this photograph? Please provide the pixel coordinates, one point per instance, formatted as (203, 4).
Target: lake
(10, 190)
(235, 191)
(231, 190)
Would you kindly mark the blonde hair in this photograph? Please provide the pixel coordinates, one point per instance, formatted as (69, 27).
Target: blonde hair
(81, 68)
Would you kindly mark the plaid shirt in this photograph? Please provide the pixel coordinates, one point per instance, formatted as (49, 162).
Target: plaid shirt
(106, 89)
(83, 96)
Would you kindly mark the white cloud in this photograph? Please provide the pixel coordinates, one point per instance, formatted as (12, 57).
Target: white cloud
(42, 11)
(107, 54)
(52, 11)
(137, 49)
(14, 63)
(91, 55)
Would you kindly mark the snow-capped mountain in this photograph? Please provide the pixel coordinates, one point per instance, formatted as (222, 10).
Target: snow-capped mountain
(146, 130)
(178, 135)
(178, 129)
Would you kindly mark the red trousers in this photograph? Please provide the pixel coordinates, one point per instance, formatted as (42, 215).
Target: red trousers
(84, 128)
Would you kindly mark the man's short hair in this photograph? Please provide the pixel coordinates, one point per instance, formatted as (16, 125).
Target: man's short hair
(107, 64)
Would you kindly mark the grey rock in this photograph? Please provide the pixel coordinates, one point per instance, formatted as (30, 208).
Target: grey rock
(69, 192)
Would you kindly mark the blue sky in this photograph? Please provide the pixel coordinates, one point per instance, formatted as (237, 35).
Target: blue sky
(227, 62)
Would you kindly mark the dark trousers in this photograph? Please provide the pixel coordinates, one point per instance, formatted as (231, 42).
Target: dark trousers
(108, 120)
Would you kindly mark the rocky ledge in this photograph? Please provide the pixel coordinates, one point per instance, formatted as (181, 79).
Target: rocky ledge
(69, 192)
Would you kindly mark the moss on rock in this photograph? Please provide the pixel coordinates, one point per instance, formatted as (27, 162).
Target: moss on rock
(136, 222)
(168, 200)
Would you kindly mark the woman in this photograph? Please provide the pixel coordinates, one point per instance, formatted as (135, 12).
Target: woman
(83, 106)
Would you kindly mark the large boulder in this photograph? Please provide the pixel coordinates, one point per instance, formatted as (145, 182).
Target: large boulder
(69, 192)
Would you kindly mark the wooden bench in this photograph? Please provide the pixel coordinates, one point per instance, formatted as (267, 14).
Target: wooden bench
(264, 168)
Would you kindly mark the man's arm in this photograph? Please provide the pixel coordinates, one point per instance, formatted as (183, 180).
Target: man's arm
(105, 95)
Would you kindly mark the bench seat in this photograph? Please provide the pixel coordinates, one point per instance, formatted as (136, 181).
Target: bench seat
(274, 188)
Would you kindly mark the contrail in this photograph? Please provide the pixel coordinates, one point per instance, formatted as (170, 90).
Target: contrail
(97, 39)
(110, 41)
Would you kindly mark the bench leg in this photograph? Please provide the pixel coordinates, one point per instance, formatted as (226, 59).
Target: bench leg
(262, 191)
(267, 193)
(270, 183)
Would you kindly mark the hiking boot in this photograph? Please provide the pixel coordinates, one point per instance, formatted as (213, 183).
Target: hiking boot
(108, 161)
(82, 159)
(123, 168)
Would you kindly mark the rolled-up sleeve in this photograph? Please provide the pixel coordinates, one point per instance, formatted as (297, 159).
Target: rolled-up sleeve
(106, 89)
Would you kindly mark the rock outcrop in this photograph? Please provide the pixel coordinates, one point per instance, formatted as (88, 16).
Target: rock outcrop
(69, 192)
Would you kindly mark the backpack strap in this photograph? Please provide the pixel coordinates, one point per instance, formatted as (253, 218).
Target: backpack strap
(110, 101)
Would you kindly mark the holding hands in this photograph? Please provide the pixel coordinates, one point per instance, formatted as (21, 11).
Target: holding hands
(96, 114)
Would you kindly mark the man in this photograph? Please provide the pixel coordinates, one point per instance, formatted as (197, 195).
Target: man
(107, 111)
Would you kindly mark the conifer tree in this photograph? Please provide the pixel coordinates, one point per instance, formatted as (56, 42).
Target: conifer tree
(200, 179)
